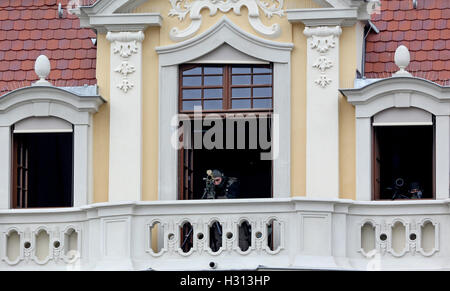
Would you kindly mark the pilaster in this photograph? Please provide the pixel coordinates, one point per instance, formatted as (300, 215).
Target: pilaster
(322, 137)
(125, 158)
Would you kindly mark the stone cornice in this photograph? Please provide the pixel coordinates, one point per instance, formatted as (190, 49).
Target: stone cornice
(121, 22)
(324, 16)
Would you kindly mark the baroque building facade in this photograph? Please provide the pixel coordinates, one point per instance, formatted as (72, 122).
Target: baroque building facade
(333, 116)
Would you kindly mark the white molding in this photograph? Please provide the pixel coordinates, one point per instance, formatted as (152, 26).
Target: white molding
(115, 15)
(222, 32)
(46, 101)
(400, 92)
(324, 16)
(125, 22)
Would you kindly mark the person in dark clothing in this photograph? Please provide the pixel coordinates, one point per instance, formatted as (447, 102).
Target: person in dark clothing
(415, 190)
(227, 188)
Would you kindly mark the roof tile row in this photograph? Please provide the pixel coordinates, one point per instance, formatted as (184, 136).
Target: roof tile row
(29, 28)
(425, 30)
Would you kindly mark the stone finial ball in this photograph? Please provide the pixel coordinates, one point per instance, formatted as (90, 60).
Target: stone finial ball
(42, 67)
(402, 57)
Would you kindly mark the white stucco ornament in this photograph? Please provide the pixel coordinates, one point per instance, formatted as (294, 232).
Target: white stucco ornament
(402, 59)
(181, 8)
(42, 69)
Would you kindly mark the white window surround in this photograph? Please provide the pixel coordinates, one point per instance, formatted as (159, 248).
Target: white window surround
(223, 32)
(400, 92)
(47, 101)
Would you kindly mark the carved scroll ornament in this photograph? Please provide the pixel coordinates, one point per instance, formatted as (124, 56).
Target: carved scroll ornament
(181, 8)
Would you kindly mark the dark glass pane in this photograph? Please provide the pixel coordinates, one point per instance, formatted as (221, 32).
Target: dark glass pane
(242, 80)
(262, 79)
(213, 81)
(239, 104)
(189, 105)
(212, 93)
(262, 103)
(262, 70)
(241, 70)
(194, 71)
(262, 92)
(212, 104)
(192, 81)
(192, 93)
(240, 92)
(213, 70)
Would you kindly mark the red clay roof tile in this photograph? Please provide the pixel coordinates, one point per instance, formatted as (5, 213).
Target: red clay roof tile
(425, 30)
(29, 28)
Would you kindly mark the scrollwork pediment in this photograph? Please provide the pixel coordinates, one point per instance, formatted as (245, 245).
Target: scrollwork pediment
(181, 8)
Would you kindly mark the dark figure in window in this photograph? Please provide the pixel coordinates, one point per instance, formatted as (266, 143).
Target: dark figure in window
(227, 188)
(415, 190)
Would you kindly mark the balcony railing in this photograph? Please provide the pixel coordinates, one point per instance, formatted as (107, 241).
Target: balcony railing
(283, 233)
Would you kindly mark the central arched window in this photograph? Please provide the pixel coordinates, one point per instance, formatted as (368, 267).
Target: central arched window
(227, 89)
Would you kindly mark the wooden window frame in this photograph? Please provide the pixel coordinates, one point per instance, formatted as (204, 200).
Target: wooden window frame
(226, 86)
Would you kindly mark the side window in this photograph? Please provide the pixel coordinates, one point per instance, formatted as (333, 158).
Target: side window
(403, 154)
(42, 160)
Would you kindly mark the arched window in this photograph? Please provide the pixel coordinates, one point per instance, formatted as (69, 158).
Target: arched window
(46, 136)
(402, 131)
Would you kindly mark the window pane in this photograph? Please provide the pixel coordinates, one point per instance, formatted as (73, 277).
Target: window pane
(212, 104)
(238, 104)
(262, 79)
(194, 71)
(189, 105)
(212, 93)
(242, 80)
(257, 70)
(241, 70)
(192, 81)
(262, 103)
(262, 92)
(240, 92)
(213, 70)
(192, 94)
(213, 81)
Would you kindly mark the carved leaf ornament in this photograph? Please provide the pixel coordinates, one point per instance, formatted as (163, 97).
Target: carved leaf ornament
(125, 45)
(322, 39)
(181, 8)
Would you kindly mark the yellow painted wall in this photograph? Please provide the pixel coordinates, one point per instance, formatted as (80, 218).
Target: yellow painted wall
(298, 111)
(150, 115)
(160, 36)
(347, 143)
(101, 123)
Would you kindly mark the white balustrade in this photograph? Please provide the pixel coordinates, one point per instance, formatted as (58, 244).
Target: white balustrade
(283, 233)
